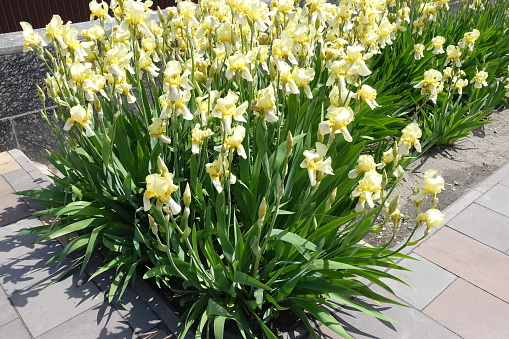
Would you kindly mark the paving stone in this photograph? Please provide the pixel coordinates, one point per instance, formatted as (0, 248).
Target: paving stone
(12, 208)
(5, 188)
(7, 163)
(41, 179)
(484, 225)
(20, 180)
(409, 323)
(13, 245)
(159, 306)
(496, 199)
(470, 311)
(44, 308)
(23, 160)
(459, 205)
(471, 260)
(8, 312)
(101, 321)
(425, 279)
(137, 313)
(505, 181)
(14, 330)
(30, 270)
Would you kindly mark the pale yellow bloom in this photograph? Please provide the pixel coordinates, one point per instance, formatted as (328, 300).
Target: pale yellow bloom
(161, 186)
(418, 51)
(447, 73)
(218, 171)
(431, 217)
(239, 64)
(409, 138)
(227, 110)
(437, 45)
(479, 79)
(338, 120)
(94, 33)
(80, 116)
(431, 84)
(470, 38)
(234, 141)
(458, 84)
(316, 162)
(175, 80)
(453, 55)
(55, 30)
(365, 163)
(302, 77)
(197, 137)
(432, 184)
(355, 61)
(368, 190)
(32, 38)
(158, 129)
(99, 10)
(368, 95)
(266, 104)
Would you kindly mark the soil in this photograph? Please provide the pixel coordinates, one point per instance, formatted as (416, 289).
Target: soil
(463, 166)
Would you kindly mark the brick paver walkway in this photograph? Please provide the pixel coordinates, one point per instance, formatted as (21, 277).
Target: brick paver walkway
(459, 285)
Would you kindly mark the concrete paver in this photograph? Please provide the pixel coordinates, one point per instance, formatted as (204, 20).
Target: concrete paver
(425, 279)
(20, 180)
(505, 181)
(480, 223)
(7, 163)
(5, 188)
(101, 321)
(14, 330)
(13, 245)
(43, 309)
(409, 323)
(470, 311)
(496, 199)
(7, 313)
(469, 259)
(12, 208)
(30, 270)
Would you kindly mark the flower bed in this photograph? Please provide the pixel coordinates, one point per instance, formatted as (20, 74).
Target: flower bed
(245, 150)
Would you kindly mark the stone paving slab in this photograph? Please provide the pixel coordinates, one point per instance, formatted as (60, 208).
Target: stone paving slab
(5, 188)
(505, 181)
(471, 260)
(470, 312)
(13, 245)
(43, 309)
(101, 321)
(7, 163)
(480, 223)
(14, 330)
(20, 180)
(496, 199)
(8, 312)
(12, 208)
(133, 309)
(425, 279)
(23, 160)
(409, 323)
(30, 270)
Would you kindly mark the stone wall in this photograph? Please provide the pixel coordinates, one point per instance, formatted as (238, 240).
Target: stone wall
(21, 126)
